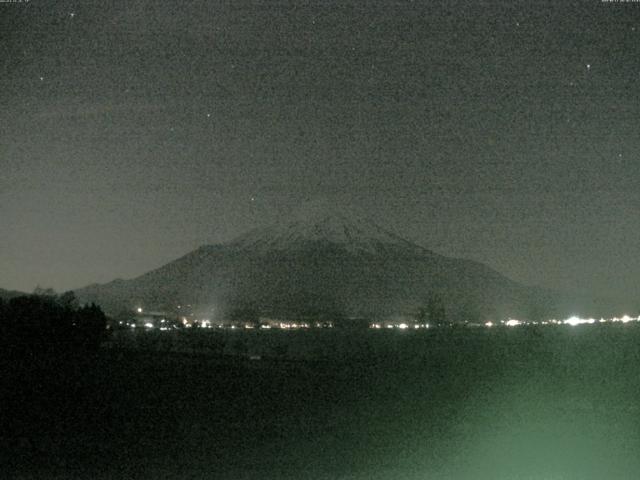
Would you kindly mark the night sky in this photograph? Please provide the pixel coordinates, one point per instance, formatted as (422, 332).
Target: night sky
(508, 132)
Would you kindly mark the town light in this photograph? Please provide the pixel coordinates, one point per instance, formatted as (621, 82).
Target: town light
(573, 321)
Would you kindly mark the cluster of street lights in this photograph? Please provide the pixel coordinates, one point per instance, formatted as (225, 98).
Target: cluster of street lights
(572, 321)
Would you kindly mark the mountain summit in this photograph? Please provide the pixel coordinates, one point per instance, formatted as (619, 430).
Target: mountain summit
(323, 224)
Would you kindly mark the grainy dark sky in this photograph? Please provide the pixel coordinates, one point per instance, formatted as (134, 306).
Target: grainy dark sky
(134, 131)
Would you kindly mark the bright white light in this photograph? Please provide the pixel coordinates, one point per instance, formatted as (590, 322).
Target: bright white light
(148, 325)
(573, 321)
(488, 324)
(403, 326)
(513, 323)
(266, 327)
(139, 310)
(625, 319)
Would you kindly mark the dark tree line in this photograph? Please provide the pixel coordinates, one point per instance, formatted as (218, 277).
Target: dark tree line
(49, 323)
(48, 346)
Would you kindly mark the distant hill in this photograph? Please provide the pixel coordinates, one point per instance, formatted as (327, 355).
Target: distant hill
(331, 262)
(8, 294)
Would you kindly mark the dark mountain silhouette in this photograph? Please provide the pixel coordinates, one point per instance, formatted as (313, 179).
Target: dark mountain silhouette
(328, 262)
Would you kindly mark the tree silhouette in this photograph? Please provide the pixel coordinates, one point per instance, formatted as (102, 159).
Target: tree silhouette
(423, 315)
(44, 292)
(68, 301)
(90, 322)
(435, 311)
(50, 324)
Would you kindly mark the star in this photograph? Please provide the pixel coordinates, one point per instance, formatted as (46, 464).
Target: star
(208, 115)
(41, 79)
(72, 14)
(588, 66)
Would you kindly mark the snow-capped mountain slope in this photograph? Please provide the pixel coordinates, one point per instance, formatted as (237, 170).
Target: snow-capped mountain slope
(322, 226)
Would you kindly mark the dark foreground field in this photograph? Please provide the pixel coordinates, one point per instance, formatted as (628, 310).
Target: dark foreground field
(554, 403)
